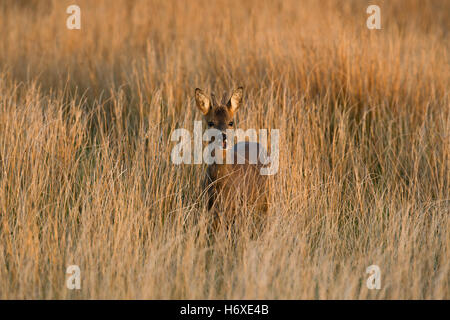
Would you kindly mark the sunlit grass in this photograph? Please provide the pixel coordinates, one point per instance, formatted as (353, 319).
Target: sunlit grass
(85, 170)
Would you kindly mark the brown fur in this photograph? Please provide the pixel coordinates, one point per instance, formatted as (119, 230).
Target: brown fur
(231, 185)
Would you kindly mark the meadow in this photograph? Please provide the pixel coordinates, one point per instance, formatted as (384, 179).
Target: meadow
(85, 171)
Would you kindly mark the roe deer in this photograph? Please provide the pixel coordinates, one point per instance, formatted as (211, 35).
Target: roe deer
(229, 185)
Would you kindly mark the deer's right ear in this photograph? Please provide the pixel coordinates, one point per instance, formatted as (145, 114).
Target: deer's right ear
(202, 101)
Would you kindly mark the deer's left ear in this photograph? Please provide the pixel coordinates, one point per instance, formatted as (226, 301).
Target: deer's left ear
(235, 100)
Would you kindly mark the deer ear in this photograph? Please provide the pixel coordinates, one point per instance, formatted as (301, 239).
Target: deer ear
(235, 100)
(203, 103)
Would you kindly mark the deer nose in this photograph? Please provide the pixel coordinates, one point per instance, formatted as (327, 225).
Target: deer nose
(224, 136)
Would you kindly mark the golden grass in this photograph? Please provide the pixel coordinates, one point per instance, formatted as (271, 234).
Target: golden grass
(85, 171)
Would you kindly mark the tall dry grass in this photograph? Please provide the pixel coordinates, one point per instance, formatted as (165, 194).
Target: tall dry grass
(85, 171)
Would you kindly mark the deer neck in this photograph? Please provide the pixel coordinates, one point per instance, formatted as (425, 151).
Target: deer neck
(219, 170)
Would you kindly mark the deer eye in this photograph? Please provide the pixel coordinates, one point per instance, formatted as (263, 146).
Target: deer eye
(210, 123)
(231, 123)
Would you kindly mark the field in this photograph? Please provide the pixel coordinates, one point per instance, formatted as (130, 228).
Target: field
(86, 176)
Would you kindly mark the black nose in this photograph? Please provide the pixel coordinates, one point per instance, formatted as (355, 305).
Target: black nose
(224, 136)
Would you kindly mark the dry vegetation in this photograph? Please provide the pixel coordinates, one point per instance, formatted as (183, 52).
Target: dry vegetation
(85, 171)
